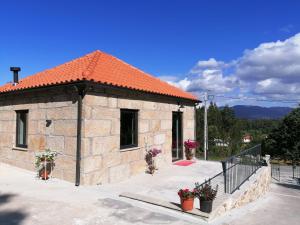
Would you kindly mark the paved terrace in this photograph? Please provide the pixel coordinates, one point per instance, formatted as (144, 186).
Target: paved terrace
(25, 200)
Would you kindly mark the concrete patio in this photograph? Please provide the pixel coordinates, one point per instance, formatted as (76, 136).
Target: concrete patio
(21, 185)
(25, 200)
(165, 183)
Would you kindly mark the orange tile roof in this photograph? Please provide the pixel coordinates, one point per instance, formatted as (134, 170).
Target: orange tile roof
(101, 68)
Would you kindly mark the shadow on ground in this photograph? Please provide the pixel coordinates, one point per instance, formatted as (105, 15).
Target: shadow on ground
(10, 217)
(130, 214)
(292, 186)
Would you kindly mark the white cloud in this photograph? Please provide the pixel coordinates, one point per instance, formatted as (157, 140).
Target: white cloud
(271, 70)
(213, 80)
(279, 59)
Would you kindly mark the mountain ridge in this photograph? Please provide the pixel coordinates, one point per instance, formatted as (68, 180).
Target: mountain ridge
(259, 112)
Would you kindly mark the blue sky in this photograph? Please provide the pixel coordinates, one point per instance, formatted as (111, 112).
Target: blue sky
(194, 41)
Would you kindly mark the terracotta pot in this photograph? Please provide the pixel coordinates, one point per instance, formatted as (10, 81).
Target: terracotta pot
(187, 204)
(206, 206)
(44, 174)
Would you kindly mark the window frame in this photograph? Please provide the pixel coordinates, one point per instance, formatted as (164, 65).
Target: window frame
(135, 131)
(25, 133)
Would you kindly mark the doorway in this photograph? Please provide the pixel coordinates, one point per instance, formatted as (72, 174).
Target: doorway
(177, 140)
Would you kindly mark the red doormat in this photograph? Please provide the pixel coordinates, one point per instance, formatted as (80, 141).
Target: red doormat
(184, 163)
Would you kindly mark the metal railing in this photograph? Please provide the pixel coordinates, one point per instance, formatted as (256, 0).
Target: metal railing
(217, 181)
(239, 168)
(296, 171)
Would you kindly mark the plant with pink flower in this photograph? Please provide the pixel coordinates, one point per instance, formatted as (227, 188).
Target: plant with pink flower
(150, 157)
(189, 146)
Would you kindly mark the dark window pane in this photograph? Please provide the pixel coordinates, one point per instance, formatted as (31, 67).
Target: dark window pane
(177, 145)
(21, 134)
(128, 128)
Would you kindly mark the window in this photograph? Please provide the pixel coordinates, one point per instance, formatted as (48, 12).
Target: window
(21, 134)
(129, 134)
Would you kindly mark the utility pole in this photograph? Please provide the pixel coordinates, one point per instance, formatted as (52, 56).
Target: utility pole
(205, 126)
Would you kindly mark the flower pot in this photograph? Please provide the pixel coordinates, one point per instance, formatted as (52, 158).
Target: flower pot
(189, 153)
(189, 157)
(187, 204)
(206, 206)
(44, 174)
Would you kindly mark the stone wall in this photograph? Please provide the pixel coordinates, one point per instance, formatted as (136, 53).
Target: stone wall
(57, 105)
(250, 191)
(103, 161)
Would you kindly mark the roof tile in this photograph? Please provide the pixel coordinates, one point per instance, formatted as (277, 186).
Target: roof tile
(101, 68)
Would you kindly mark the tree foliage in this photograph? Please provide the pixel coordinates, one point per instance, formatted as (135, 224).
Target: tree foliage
(284, 140)
(224, 127)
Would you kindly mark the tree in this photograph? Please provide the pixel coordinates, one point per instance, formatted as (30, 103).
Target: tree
(284, 141)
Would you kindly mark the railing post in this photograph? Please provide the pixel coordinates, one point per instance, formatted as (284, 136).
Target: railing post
(294, 166)
(224, 174)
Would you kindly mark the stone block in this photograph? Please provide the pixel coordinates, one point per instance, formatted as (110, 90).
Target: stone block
(95, 100)
(189, 114)
(52, 104)
(129, 156)
(147, 114)
(57, 173)
(63, 113)
(155, 125)
(112, 102)
(56, 143)
(36, 142)
(41, 126)
(96, 177)
(86, 147)
(7, 115)
(159, 139)
(69, 175)
(166, 124)
(115, 127)
(103, 113)
(119, 173)
(87, 112)
(7, 126)
(145, 139)
(65, 127)
(129, 103)
(65, 162)
(150, 105)
(111, 159)
(163, 107)
(144, 126)
(33, 127)
(37, 114)
(190, 124)
(92, 164)
(137, 167)
(94, 128)
(70, 146)
(189, 134)
(103, 145)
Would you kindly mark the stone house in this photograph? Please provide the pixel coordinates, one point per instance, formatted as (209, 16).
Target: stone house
(99, 113)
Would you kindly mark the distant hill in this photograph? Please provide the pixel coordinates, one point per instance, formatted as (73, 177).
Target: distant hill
(257, 112)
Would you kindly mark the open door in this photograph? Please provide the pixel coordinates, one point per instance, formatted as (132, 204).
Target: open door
(177, 141)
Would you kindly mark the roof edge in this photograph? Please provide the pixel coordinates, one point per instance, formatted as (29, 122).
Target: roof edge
(90, 82)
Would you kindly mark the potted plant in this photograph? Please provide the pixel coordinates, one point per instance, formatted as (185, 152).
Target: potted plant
(44, 163)
(206, 195)
(189, 149)
(186, 199)
(150, 159)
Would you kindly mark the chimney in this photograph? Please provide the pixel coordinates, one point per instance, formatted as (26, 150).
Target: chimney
(16, 74)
